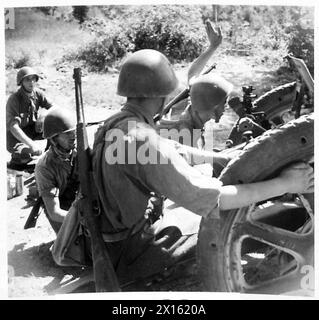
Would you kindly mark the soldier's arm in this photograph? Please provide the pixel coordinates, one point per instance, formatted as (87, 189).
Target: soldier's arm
(195, 156)
(215, 39)
(45, 178)
(44, 101)
(18, 133)
(187, 187)
(298, 178)
(52, 205)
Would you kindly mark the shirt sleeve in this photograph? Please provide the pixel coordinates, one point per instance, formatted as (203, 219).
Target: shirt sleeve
(12, 111)
(45, 181)
(44, 101)
(167, 173)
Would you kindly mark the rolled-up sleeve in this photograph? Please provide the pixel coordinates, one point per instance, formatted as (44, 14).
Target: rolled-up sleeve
(12, 111)
(45, 182)
(44, 101)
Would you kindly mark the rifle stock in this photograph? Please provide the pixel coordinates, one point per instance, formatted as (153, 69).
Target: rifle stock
(34, 214)
(104, 274)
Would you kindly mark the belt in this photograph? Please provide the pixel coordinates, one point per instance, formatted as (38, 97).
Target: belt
(122, 235)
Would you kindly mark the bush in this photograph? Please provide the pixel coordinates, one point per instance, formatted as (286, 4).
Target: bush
(47, 10)
(104, 51)
(18, 60)
(80, 13)
(179, 33)
(301, 45)
(176, 31)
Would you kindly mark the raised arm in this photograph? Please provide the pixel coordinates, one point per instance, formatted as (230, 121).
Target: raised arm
(215, 38)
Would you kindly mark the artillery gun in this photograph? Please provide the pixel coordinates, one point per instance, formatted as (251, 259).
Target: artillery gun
(267, 247)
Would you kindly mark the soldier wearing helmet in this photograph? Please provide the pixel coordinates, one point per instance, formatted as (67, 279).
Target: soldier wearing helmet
(25, 110)
(56, 172)
(135, 169)
(208, 94)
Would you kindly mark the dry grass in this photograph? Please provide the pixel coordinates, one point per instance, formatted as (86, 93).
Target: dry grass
(42, 39)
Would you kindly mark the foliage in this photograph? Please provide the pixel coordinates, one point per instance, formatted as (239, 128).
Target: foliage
(80, 13)
(18, 60)
(102, 52)
(47, 10)
(176, 31)
(267, 33)
(301, 45)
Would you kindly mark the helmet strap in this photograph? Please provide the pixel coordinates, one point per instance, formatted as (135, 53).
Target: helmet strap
(196, 119)
(61, 152)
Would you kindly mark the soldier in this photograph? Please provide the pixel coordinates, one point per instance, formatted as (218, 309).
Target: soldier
(56, 170)
(199, 111)
(24, 122)
(140, 242)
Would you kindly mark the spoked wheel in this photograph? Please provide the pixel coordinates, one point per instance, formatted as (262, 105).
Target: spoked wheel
(277, 104)
(263, 248)
(267, 246)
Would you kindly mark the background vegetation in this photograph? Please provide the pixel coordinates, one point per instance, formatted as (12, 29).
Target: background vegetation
(178, 31)
(54, 40)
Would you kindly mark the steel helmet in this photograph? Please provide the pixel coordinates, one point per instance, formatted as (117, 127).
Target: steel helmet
(57, 121)
(24, 72)
(209, 90)
(146, 73)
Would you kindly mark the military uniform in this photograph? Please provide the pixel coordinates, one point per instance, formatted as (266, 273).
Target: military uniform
(125, 189)
(57, 176)
(24, 108)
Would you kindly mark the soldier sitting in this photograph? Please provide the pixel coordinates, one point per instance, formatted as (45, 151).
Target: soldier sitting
(24, 117)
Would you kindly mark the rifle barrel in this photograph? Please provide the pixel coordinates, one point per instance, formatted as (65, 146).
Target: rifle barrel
(104, 274)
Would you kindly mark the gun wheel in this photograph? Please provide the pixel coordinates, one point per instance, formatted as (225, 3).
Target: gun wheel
(277, 104)
(268, 246)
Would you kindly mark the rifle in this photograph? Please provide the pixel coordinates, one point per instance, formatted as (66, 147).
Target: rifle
(34, 214)
(104, 274)
(181, 96)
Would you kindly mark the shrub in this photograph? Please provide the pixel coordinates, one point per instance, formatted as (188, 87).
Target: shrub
(80, 13)
(176, 31)
(47, 10)
(18, 60)
(301, 45)
(103, 51)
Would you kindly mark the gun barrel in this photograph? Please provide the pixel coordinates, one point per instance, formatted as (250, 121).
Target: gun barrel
(104, 274)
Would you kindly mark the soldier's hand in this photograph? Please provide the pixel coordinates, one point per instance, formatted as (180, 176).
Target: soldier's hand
(299, 178)
(154, 208)
(215, 36)
(36, 149)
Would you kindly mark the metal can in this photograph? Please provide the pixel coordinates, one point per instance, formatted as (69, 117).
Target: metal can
(19, 184)
(11, 186)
